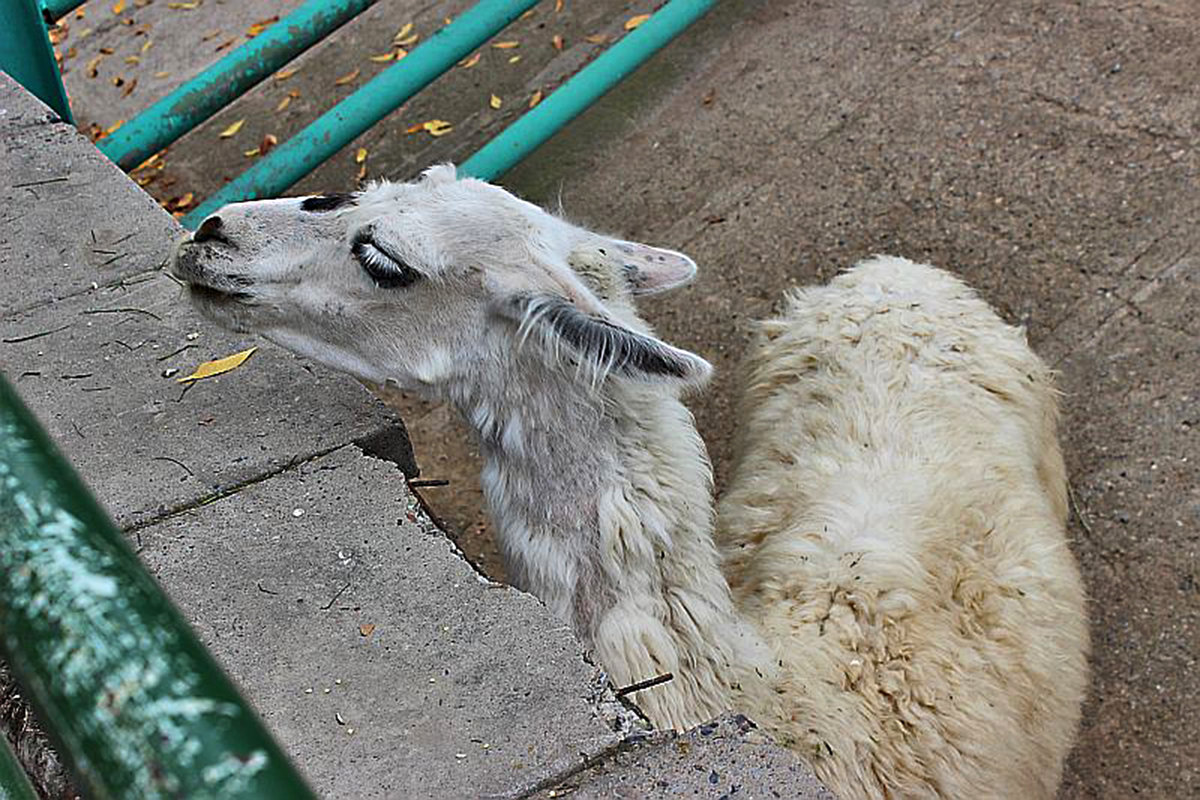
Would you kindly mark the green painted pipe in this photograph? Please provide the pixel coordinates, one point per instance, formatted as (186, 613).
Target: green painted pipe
(337, 127)
(28, 58)
(134, 702)
(14, 783)
(57, 9)
(572, 98)
(231, 77)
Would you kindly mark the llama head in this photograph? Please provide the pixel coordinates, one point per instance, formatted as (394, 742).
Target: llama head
(427, 283)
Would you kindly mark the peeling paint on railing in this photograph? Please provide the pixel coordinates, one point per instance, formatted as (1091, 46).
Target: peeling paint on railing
(133, 700)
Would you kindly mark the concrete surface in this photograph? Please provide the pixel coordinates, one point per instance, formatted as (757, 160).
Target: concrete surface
(1046, 151)
(384, 663)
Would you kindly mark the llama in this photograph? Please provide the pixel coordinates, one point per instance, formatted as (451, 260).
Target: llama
(887, 587)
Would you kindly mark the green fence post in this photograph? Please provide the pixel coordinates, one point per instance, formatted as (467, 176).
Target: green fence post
(134, 702)
(26, 54)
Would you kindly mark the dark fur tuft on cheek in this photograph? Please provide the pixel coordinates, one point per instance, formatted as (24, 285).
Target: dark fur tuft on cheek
(326, 202)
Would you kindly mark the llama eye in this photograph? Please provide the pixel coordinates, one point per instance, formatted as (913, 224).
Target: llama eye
(388, 271)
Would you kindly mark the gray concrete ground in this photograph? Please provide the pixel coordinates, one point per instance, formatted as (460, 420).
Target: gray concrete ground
(1045, 151)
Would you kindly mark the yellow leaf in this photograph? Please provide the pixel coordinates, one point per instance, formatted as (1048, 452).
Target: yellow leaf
(447, 20)
(514, 59)
(162, 74)
(284, 103)
(495, 102)
(147, 45)
(114, 126)
(536, 98)
(382, 57)
(596, 38)
(222, 365)
(133, 60)
(467, 63)
(118, 6)
(407, 41)
(183, 6)
(505, 45)
(405, 31)
(360, 156)
(284, 74)
(633, 22)
(438, 127)
(348, 77)
(557, 42)
(261, 25)
(250, 153)
(233, 129)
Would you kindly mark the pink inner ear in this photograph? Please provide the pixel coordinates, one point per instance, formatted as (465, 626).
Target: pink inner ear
(654, 269)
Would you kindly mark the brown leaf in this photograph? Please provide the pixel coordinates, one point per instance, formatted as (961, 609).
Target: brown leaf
(467, 63)
(93, 66)
(129, 87)
(133, 60)
(349, 77)
(162, 74)
(556, 42)
(183, 6)
(535, 98)
(633, 22)
(112, 128)
(268, 143)
(284, 74)
(232, 129)
(509, 45)
(437, 127)
(366, 630)
(596, 38)
(558, 6)
(225, 45)
(118, 6)
(417, 128)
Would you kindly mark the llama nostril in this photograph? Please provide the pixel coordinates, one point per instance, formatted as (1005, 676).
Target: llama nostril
(210, 231)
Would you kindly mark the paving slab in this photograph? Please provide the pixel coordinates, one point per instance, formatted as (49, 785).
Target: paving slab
(725, 759)
(385, 664)
(49, 175)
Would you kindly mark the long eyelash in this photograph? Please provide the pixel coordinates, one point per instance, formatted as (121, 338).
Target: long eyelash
(387, 272)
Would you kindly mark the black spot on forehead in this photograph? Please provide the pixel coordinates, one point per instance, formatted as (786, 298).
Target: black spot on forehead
(327, 202)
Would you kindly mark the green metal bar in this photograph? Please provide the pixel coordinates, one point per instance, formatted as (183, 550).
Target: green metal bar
(14, 783)
(57, 9)
(235, 74)
(526, 134)
(26, 54)
(333, 130)
(136, 704)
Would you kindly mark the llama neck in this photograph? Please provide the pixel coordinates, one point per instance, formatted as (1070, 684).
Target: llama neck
(603, 508)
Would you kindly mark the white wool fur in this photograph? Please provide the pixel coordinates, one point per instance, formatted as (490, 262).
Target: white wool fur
(887, 586)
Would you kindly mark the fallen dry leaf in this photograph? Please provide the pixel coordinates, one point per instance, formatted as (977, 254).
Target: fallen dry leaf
(405, 31)
(107, 51)
(251, 153)
(366, 630)
(261, 25)
(505, 45)
(360, 156)
(407, 41)
(118, 81)
(514, 59)
(112, 128)
(362, 173)
(220, 366)
(183, 6)
(214, 33)
(133, 60)
(284, 74)
(437, 127)
(118, 6)
(93, 66)
(287, 100)
(180, 203)
(556, 42)
(149, 162)
(349, 77)
(558, 6)
(128, 90)
(162, 74)
(232, 129)
(467, 63)
(535, 98)
(495, 102)
(268, 142)
(596, 38)
(633, 22)
(384, 57)
(417, 128)
(147, 45)
(225, 45)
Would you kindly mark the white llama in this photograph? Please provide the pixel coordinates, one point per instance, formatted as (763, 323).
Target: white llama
(888, 589)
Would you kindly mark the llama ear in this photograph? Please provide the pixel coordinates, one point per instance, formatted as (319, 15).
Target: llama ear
(652, 269)
(606, 347)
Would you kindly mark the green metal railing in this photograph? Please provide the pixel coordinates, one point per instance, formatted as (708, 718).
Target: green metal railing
(222, 83)
(14, 784)
(136, 704)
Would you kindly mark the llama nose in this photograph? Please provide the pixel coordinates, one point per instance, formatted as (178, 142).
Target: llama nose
(210, 231)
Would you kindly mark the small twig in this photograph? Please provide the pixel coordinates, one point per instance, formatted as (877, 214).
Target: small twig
(264, 589)
(646, 684)
(123, 310)
(177, 352)
(1083, 523)
(95, 388)
(41, 182)
(126, 236)
(77, 377)
(75, 425)
(31, 336)
(333, 599)
(187, 387)
(176, 462)
(117, 257)
(418, 483)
